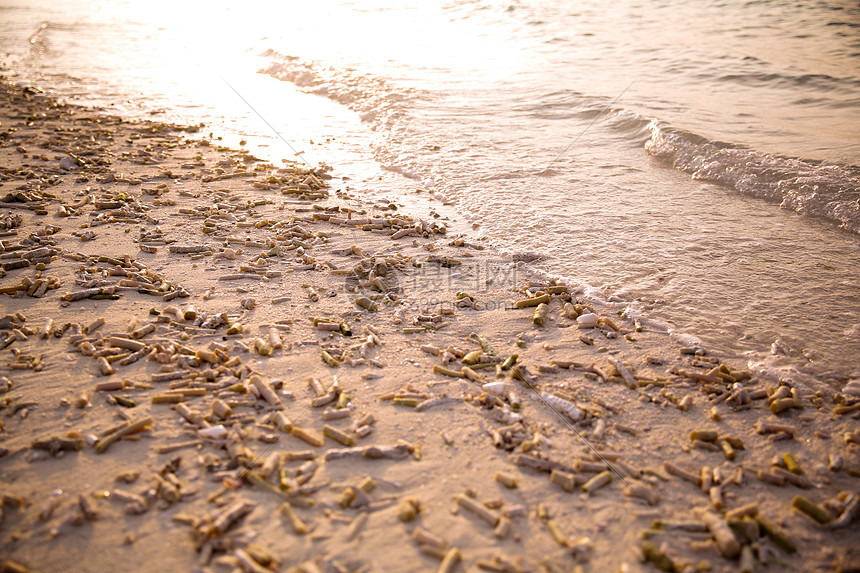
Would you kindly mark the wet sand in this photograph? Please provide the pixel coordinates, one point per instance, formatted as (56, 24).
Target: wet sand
(211, 363)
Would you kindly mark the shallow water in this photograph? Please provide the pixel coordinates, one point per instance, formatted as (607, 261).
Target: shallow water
(693, 162)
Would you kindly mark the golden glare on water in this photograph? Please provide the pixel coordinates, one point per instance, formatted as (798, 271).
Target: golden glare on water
(218, 35)
(197, 51)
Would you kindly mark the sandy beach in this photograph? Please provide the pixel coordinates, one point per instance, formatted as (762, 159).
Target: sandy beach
(213, 363)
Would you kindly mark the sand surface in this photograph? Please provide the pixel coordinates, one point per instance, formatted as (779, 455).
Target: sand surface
(210, 363)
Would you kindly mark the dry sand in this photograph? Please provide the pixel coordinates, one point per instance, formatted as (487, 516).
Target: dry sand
(208, 269)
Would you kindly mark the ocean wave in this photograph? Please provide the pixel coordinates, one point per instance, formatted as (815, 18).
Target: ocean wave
(808, 187)
(818, 81)
(377, 102)
(805, 186)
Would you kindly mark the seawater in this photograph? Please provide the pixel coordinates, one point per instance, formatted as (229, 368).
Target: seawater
(692, 163)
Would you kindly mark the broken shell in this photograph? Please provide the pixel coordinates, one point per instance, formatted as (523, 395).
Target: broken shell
(218, 432)
(587, 320)
(562, 406)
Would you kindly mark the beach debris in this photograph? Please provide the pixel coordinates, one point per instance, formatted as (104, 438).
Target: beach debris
(485, 514)
(222, 405)
(125, 430)
(55, 444)
(562, 406)
(776, 535)
(338, 435)
(725, 539)
(678, 472)
(534, 301)
(299, 527)
(642, 491)
(566, 481)
(449, 561)
(587, 320)
(506, 480)
(850, 512)
(540, 314)
(658, 558)
(219, 522)
(408, 509)
(811, 509)
(600, 480)
(308, 436)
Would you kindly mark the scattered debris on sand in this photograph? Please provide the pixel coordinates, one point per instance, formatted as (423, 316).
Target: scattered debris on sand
(213, 363)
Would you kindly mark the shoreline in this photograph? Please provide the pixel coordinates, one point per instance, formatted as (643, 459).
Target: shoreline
(263, 470)
(810, 353)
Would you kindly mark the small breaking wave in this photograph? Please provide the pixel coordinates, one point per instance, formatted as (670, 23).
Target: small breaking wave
(816, 81)
(807, 187)
(377, 102)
